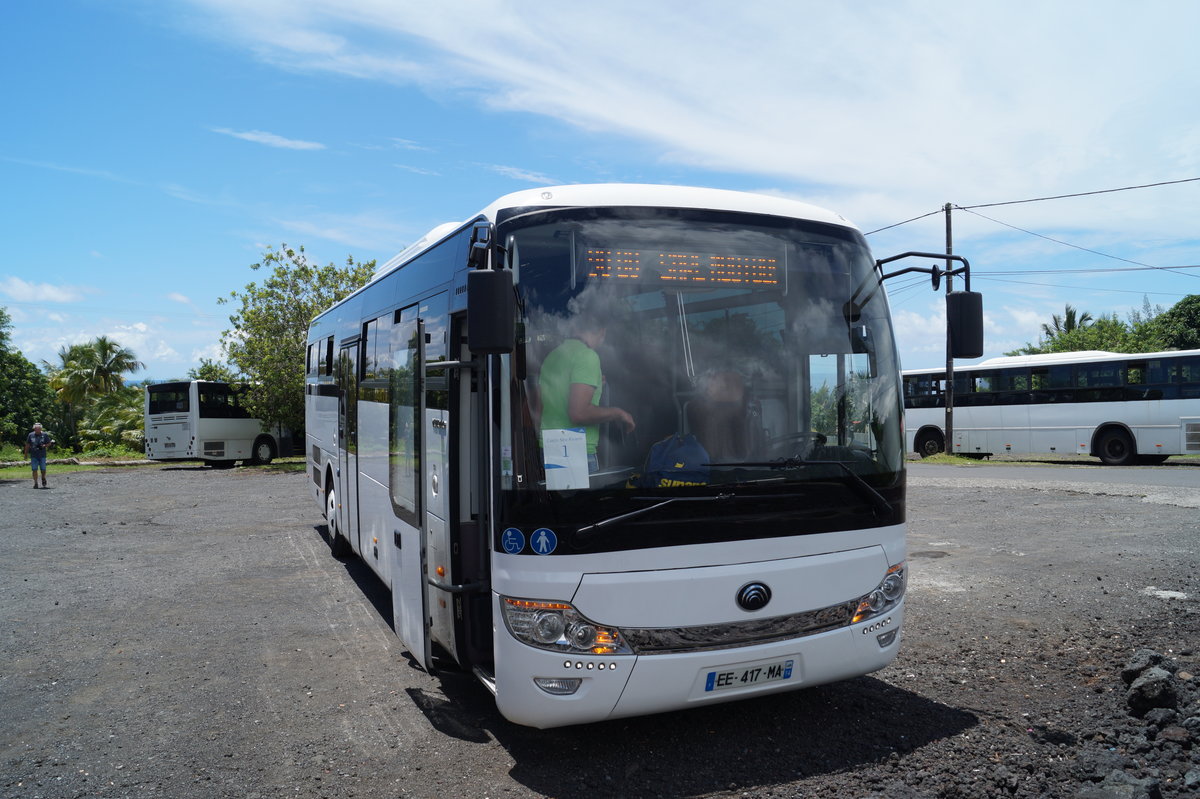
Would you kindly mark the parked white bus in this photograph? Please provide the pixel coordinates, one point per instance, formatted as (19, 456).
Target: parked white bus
(205, 420)
(1121, 408)
(729, 533)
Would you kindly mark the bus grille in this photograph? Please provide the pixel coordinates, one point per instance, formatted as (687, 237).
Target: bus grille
(1191, 437)
(667, 640)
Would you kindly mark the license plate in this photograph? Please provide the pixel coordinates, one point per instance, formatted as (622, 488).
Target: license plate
(745, 676)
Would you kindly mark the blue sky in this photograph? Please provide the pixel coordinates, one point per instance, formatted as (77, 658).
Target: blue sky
(152, 151)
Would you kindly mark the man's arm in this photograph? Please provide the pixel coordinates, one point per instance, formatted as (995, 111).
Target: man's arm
(582, 412)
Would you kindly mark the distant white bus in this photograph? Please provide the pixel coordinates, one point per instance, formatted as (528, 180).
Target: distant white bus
(1121, 408)
(206, 420)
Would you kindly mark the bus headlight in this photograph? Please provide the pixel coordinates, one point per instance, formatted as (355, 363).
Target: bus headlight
(559, 627)
(884, 597)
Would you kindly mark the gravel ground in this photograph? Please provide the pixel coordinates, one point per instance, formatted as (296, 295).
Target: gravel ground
(183, 632)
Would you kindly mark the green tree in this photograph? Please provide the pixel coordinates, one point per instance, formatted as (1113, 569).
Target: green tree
(1073, 332)
(85, 373)
(93, 369)
(1070, 321)
(1108, 333)
(25, 395)
(215, 371)
(1179, 327)
(116, 418)
(269, 330)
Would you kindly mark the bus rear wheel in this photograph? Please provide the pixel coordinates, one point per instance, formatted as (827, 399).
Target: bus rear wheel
(929, 442)
(264, 451)
(1115, 448)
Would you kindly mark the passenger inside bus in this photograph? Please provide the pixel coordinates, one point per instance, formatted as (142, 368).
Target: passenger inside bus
(722, 419)
(571, 383)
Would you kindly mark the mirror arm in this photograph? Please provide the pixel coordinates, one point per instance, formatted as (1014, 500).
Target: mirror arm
(964, 270)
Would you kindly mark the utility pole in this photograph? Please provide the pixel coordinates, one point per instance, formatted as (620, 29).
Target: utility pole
(949, 389)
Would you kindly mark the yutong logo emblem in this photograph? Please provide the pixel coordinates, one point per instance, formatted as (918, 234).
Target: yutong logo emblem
(753, 596)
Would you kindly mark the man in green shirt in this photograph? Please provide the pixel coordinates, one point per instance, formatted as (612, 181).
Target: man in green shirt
(570, 385)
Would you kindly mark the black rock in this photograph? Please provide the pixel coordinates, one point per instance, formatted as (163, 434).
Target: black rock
(1153, 688)
(1119, 785)
(1142, 659)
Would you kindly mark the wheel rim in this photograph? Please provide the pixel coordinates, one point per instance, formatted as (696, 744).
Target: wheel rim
(331, 513)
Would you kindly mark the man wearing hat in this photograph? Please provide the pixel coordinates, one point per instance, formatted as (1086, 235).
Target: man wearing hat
(36, 444)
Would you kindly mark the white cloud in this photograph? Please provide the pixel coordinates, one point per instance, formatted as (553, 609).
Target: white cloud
(270, 139)
(175, 296)
(887, 110)
(371, 231)
(213, 352)
(524, 175)
(415, 170)
(23, 291)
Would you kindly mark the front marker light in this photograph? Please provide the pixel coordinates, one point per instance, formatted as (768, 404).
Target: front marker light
(559, 686)
(884, 597)
(559, 627)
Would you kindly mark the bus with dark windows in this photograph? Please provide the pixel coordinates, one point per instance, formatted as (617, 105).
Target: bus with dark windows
(622, 449)
(1119, 407)
(207, 420)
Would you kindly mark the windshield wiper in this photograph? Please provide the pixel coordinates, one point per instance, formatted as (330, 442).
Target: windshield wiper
(879, 503)
(585, 532)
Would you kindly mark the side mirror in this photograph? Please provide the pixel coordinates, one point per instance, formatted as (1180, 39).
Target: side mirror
(964, 317)
(491, 311)
(481, 240)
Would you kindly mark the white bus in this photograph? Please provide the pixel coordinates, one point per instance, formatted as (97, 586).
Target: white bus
(1121, 408)
(745, 537)
(205, 420)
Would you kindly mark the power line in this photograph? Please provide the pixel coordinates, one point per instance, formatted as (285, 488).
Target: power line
(1076, 194)
(1037, 200)
(1080, 288)
(1068, 244)
(905, 222)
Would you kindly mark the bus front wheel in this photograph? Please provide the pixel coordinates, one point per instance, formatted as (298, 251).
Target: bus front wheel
(1115, 448)
(338, 545)
(929, 442)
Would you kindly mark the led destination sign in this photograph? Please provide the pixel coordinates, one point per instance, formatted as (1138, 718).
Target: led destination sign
(683, 268)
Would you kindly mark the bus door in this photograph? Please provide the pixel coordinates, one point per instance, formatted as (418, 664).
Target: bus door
(347, 478)
(412, 597)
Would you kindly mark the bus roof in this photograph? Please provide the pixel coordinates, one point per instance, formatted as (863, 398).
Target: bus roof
(1054, 358)
(636, 194)
(592, 195)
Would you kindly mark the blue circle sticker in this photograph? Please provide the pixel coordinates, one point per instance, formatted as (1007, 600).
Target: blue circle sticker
(513, 541)
(543, 541)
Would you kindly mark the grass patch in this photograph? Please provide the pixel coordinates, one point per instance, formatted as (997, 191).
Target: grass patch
(103, 461)
(952, 460)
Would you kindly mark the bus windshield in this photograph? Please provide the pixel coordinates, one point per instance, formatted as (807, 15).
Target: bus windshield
(669, 358)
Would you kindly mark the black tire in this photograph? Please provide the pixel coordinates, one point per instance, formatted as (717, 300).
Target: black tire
(264, 451)
(339, 547)
(1116, 448)
(929, 442)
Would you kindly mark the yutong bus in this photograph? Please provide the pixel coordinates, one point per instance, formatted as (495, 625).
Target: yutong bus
(740, 533)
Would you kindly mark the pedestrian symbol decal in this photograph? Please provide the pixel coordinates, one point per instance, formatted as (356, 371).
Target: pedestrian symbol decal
(544, 541)
(513, 541)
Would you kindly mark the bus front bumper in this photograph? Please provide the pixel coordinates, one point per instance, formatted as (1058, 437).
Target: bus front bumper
(528, 680)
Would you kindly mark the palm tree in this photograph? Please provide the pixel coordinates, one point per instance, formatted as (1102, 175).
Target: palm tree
(1067, 322)
(92, 369)
(87, 372)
